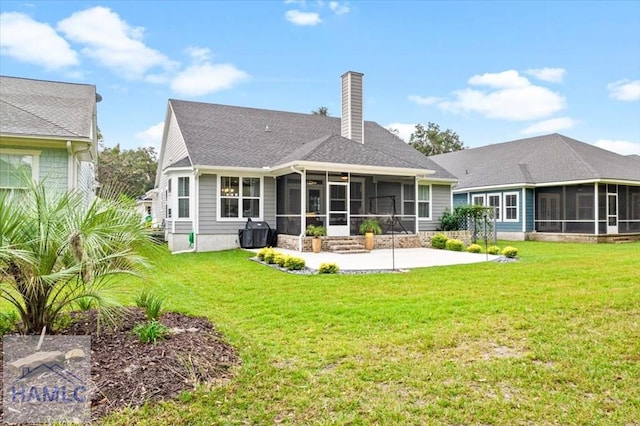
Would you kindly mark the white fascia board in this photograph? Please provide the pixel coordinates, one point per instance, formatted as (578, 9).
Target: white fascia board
(351, 168)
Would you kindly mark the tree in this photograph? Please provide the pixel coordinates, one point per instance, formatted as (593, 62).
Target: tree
(56, 252)
(133, 171)
(322, 110)
(433, 141)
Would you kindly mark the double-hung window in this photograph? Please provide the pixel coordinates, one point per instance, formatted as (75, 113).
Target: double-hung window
(511, 206)
(17, 167)
(183, 197)
(424, 201)
(240, 197)
(494, 201)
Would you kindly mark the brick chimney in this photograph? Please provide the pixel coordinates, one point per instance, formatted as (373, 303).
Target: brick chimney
(352, 120)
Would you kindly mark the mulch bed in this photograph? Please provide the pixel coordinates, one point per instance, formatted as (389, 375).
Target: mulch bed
(128, 373)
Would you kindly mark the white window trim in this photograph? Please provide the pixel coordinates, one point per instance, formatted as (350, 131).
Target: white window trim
(418, 201)
(172, 197)
(35, 163)
(240, 198)
(482, 196)
(500, 201)
(414, 201)
(178, 197)
(517, 206)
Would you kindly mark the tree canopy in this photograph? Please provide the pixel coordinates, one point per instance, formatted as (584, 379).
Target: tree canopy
(133, 171)
(433, 141)
(322, 110)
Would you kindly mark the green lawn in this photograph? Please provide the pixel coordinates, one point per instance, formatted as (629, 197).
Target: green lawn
(551, 339)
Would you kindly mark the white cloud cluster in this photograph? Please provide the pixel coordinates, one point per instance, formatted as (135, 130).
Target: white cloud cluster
(625, 90)
(621, 147)
(404, 130)
(552, 75)
(300, 18)
(510, 96)
(34, 42)
(550, 126)
(104, 37)
(114, 44)
(311, 19)
(152, 136)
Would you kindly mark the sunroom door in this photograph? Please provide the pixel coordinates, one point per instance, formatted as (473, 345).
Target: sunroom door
(612, 213)
(338, 209)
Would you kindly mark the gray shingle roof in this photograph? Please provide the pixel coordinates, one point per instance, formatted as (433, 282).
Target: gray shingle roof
(230, 136)
(46, 108)
(542, 159)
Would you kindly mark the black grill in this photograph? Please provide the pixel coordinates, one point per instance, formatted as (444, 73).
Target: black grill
(257, 234)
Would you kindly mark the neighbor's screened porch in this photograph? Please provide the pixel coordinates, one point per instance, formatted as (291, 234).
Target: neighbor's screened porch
(341, 201)
(578, 208)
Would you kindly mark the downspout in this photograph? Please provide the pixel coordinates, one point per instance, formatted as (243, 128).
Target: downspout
(73, 177)
(302, 207)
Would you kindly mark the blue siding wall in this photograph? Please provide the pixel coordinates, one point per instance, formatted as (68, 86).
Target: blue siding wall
(530, 209)
(502, 225)
(460, 199)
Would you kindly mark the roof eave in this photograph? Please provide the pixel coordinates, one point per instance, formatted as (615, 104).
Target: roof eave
(352, 168)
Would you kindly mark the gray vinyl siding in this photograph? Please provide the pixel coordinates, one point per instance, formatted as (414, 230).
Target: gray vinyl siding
(175, 149)
(440, 201)
(208, 209)
(181, 226)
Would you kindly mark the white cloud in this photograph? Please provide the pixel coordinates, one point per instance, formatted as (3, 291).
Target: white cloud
(34, 42)
(424, 100)
(202, 79)
(151, 136)
(621, 147)
(550, 126)
(303, 18)
(337, 8)
(625, 90)
(501, 80)
(510, 97)
(112, 42)
(552, 75)
(404, 130)
(199, 54)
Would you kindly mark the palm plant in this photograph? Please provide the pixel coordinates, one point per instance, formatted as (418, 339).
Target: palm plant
(57, 250)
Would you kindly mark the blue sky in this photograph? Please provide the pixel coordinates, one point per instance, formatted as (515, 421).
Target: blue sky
(491, 71)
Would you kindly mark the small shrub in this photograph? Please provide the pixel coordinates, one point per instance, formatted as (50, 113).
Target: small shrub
(270, 256)
(439, 241)
(263, 252)
(454, 245)
(510, 252)
(151, 332)
(153, 308)
(474, 248)
(493, 250)
(328, 268)
(280, 259)
(294, 263)
(8, 322)
(85, 303)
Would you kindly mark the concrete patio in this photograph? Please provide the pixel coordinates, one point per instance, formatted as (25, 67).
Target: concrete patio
(383, 259)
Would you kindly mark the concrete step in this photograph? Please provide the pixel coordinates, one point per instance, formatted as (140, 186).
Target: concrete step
(353, 251)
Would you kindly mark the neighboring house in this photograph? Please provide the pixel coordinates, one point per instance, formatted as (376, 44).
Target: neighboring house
(222, 165)
(48, 130)
(549, 184)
